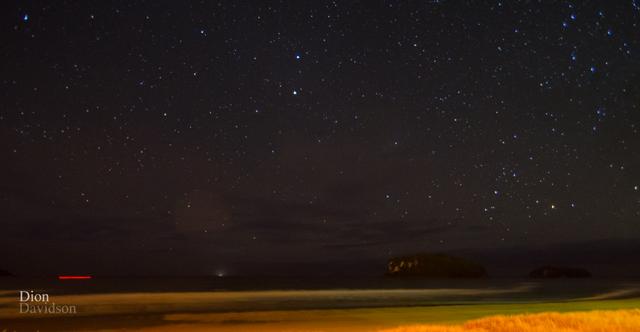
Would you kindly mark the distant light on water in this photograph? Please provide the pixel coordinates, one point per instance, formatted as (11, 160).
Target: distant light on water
(74, 277)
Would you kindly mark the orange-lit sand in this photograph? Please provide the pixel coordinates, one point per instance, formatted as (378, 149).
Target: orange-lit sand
(592, 321)
(253, 311)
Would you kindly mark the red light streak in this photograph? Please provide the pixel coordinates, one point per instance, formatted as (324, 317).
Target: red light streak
(74, 277)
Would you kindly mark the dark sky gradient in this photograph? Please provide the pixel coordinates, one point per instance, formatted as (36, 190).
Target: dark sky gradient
(195, 137)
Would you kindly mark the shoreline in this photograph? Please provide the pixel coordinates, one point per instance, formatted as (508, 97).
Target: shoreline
(174, 311)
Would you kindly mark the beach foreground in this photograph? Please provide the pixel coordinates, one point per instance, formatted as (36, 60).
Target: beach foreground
(592, 321)
(200, 311)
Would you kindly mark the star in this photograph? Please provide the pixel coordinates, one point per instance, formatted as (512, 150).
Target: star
(385, 125)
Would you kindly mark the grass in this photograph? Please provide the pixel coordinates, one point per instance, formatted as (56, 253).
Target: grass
(590, 321)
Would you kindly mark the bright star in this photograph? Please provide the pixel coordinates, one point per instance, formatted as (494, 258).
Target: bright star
(25, 17)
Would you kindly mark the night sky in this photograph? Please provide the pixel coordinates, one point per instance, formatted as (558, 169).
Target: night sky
(201, 137)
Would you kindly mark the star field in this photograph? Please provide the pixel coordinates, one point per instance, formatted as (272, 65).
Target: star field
(205, 134)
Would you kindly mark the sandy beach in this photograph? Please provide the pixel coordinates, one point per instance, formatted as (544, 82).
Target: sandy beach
(336, 310)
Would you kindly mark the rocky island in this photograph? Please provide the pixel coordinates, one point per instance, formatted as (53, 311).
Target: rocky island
(559, 272)
(426, 265)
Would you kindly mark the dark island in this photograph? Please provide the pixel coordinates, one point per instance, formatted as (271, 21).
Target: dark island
(427, 265)
(5, 273)
(559, 272)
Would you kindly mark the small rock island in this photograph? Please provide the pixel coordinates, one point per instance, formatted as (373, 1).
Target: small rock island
(427, 265)
(559, 272)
